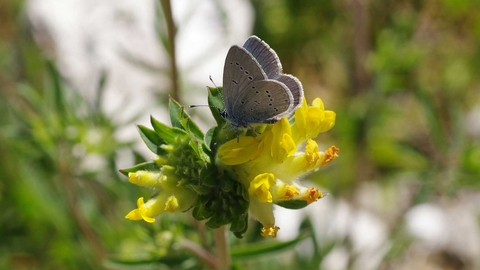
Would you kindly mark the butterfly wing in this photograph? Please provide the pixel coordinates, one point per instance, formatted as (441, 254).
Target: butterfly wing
(264, 101)
(269, 61)
(266, 56)
(295, 87)
(240, 70)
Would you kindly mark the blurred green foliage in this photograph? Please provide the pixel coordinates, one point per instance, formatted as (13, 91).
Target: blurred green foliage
(402, 77)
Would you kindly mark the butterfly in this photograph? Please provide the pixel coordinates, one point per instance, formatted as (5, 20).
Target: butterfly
(254, 88)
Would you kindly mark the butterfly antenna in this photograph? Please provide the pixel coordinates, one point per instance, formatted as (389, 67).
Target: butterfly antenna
(210, 77)
(203, 105)
(219, 92)
(196, 106)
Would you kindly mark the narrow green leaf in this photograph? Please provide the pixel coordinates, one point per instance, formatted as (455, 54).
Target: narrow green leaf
(147, 166)
(263, 248)
(199, 150)
(432, 117)
(181, 119)
(100, 91)
(191, 127)
(58, 99)
(151, 139)
(167, 133)
(174, 109)
(159, 262)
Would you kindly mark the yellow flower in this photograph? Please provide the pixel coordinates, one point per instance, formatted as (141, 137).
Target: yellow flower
(312, 120)
(269, 165)
(282, 144)
(143, 211)
(169, 198)
(172, 204)
(311, 154)
(270, 231)
(236, 152)
(260, 187)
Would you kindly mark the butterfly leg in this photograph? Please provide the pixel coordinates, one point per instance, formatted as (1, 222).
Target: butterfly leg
(234, 128)
(254, 130)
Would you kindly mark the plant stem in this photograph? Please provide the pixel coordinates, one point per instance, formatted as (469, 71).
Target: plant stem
(171, 31)
(223, 251)
(70, 192)
(200, 253)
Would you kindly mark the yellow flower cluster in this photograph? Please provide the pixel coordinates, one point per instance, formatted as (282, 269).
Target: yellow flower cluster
(269, 164)
(170, 198)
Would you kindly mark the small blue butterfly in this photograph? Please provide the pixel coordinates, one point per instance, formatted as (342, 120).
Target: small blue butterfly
(254, 88)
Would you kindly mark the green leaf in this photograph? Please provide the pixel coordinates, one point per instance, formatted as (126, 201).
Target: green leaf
(227, 185)
(292, 204)
(215, 135)
(151, 139)
(209, 136)
(260, 249)
(240, 224)
(208, 176)
(147, 166)
(191, 127)
(200, 212)
(158, 262)
(198, 147)
(167, 133)
(201, 190)
(180, 119)
(216, 221)
(58, 99)
(215, 101)
(174, 109)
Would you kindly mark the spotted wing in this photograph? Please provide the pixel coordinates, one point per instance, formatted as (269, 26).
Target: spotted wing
(240, 70)
(263, 101)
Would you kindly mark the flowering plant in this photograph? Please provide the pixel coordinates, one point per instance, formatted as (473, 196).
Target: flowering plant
(222, 180)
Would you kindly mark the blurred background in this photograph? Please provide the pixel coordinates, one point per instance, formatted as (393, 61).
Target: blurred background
(403, 77)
